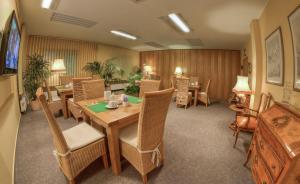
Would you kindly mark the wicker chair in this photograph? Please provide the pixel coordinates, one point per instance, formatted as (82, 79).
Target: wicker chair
(54, 101)
(247, 122)
(63, 80)
(148, 86)
(93, 89)
(183, 96)
(73, 108)
(203, 96)
(75, 148)
(142, 143)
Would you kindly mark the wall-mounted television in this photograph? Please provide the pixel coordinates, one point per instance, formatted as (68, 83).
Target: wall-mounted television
(10, 46)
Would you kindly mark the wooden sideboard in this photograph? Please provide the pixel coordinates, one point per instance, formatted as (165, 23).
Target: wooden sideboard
(275, 147)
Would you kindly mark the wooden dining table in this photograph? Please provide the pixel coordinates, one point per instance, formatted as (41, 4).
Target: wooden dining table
(195, 89)
(64, 93)
(112, 121)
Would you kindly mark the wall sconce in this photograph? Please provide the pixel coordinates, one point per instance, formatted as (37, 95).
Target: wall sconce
(178, 71)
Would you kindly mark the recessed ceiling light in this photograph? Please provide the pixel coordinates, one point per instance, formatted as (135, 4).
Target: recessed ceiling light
(179, 22)
(123, 34)
(46, 3)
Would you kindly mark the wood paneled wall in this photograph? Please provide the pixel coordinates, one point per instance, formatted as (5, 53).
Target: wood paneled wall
(75, 53)
(221, 66)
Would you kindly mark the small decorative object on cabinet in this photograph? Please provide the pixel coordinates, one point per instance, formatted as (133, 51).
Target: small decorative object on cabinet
(275, 147)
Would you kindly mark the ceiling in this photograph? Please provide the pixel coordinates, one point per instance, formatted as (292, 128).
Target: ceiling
(219, 24)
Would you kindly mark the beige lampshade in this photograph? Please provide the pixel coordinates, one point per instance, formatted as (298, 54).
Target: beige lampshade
(148, 68)
(242, 84)
(58, 65)
(178, 70)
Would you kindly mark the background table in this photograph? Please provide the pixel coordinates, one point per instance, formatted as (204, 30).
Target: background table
(65, 94)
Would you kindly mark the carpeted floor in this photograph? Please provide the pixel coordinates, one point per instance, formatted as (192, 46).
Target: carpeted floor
(198, 149)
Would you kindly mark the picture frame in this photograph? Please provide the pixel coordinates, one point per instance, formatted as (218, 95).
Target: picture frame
(294, 22)
(275, 58)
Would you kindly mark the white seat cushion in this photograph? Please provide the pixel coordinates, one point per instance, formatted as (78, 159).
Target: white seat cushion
(81, 135)
(71, 99)
(129, 134)
(202, 93)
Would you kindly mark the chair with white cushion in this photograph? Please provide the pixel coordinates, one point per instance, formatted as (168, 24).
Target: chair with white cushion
(203, 96)
(183, 96)
(142, 143)
(54, 101)
(75, 148)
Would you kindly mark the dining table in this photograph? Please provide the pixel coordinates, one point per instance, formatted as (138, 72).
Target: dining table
(65, 93)
(112, 120)
(195, 89)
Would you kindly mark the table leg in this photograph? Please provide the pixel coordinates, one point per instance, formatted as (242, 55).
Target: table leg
(196, 91)
(64, 105)
(114, 152)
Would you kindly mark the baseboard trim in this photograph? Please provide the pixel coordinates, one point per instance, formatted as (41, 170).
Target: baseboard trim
(14, 158)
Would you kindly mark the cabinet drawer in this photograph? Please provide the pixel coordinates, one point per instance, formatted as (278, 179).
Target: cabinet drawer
(269, 156)
(259, 169)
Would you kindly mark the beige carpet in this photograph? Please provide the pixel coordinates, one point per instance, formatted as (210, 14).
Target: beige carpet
(198, 149)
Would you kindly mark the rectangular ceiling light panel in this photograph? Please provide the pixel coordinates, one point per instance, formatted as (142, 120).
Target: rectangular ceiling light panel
(123, 34)
(179, 22)
(46, 3)
(58, 17)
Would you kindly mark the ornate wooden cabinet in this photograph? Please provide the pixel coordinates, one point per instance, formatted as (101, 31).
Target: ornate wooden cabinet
(275, 148)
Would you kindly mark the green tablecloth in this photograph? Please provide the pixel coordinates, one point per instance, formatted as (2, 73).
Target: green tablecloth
(99, 107)
(134, 100)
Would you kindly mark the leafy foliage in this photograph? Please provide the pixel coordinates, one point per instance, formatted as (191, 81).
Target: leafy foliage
(106, 70)
(132, 88)
(95, 68)
(36, 73)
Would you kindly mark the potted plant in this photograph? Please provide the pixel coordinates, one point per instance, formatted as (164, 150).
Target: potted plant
(132, 88)
(95, 68)
(37, 72)
(110, 71)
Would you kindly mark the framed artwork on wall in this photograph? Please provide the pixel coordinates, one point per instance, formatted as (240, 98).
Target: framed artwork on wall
(294, 21)
(275, 58)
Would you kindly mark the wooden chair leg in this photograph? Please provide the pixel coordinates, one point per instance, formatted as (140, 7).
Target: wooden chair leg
(105, 161)
(145, 179)
(236, 137)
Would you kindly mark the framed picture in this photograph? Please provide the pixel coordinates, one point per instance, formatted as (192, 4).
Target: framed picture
(274, 54)
(294, 21)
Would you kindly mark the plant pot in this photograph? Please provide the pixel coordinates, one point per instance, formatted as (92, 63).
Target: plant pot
(35, 106)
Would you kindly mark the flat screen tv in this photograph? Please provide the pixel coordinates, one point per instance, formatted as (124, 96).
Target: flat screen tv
(10, 46)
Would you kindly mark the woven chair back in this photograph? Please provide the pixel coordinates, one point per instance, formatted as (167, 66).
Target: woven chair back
(207, 86)
(77, 88)
(152, 118)
(93, 88)
(148, 86)
(63, 80)
(58, 138)
(264, 102)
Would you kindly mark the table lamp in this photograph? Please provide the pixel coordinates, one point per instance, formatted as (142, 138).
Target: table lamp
(178, 71)
(147, 70)
(242, 90)
(58, 65)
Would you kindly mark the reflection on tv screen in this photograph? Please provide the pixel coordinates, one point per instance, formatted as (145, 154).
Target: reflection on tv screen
(12, 53)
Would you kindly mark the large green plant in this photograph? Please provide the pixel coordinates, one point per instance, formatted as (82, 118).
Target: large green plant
(36, 73)
(111, 71)
(95, 68)
(132, 88)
